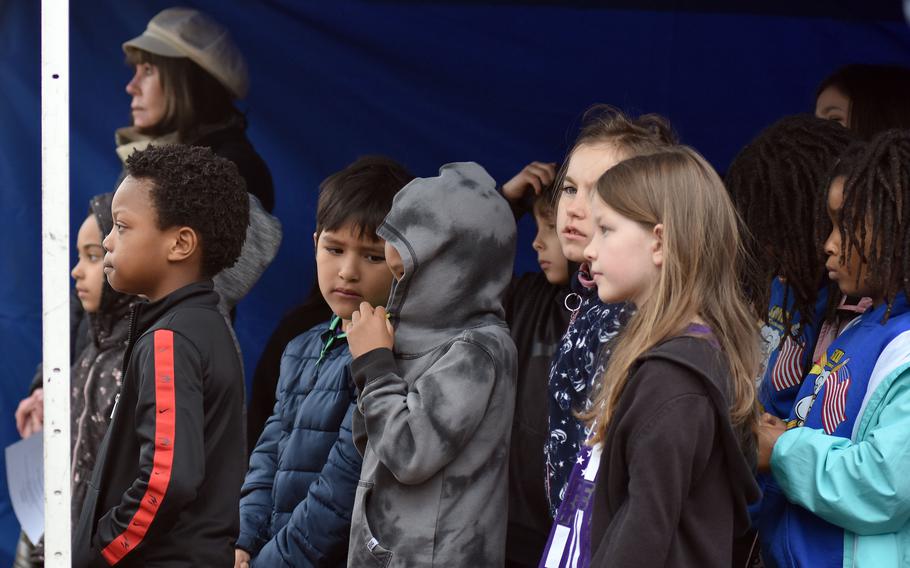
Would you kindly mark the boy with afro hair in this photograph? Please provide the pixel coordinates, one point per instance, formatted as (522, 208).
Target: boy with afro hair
(167, 479)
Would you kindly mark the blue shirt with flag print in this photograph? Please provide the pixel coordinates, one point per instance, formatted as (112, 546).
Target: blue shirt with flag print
(787, 362)
(839, 453)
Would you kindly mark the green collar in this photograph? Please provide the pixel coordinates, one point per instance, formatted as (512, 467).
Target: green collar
(330, 338)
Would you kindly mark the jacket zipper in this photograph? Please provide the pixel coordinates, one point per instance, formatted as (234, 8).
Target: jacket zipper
(130, 339)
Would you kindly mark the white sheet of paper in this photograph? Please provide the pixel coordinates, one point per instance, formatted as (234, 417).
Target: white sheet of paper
(25, 478)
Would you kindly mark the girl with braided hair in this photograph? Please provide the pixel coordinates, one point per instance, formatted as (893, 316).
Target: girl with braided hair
(841, 459)
(777, 183)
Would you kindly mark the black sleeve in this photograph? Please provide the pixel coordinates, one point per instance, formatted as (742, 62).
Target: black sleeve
(169, 417)
(666, 452)
(37, 379)
(521, 293)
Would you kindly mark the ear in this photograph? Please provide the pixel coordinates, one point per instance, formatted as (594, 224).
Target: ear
(657, 247)
(184, 244)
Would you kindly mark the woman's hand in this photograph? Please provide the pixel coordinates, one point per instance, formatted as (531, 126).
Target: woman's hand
(536, 176)
(769, 429)
(369, 329)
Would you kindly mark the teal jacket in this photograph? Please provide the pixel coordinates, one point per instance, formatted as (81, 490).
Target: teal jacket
(860, 483)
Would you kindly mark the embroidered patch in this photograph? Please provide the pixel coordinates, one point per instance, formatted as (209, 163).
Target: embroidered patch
(788, 369)
(834, 403)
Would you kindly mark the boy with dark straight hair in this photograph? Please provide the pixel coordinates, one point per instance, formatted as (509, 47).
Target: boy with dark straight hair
(360, 190)
(296, 501)
(167, 478)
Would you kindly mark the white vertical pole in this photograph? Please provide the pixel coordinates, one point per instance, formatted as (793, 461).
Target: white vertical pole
(55, 278)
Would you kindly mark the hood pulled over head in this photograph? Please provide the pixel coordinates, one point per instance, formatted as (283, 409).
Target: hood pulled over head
(456, 237)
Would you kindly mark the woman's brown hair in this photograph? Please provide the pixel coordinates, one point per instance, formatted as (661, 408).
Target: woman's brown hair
(193, 97)
(702, 252)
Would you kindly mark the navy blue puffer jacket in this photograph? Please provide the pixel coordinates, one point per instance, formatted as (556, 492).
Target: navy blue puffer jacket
(295, 506)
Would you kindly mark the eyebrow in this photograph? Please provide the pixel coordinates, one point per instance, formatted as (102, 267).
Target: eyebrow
(569, 179)
(330, 240)
(92, 245)
(326, 238)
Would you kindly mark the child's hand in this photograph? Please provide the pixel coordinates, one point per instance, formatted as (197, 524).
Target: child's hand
(370, 329)
(241, 558)
(768, 431)
(536, 176)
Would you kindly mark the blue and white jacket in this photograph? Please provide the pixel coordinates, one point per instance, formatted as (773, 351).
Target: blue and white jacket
(296, 502)
(787, 363)
(842, 496)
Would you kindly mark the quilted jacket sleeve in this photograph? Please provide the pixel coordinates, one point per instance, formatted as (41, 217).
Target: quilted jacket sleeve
(318, 531)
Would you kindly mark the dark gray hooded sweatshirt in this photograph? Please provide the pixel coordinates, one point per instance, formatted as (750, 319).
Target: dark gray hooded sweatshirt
(434, 417)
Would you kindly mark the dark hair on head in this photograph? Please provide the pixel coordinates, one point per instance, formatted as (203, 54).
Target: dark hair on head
(193, 187)
(846, 163)
(879, 96)
(192, 96)
(606, 124)
(877, 197)
(778, 184)
(542, 204)
(360, 194)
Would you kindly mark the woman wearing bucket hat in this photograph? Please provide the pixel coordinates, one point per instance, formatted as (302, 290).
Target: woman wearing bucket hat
(187, 74)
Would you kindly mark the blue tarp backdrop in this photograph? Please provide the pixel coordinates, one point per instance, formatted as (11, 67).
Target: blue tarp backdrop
(426, 83)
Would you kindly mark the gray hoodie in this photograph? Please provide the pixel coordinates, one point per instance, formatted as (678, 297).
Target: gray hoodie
(263, 237)
(434, 418)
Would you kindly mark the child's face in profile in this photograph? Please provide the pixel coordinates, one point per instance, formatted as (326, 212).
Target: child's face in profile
(89, 270)
(625, 256)
(137, 250)
(549, 252)
(351, 269)
(851, 276)
(573, 215)
(394, 262)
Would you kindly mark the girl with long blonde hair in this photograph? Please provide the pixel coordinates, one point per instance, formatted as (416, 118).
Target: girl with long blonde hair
(672, 421)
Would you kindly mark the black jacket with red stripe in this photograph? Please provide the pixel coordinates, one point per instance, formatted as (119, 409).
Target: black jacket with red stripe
(166, 484)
